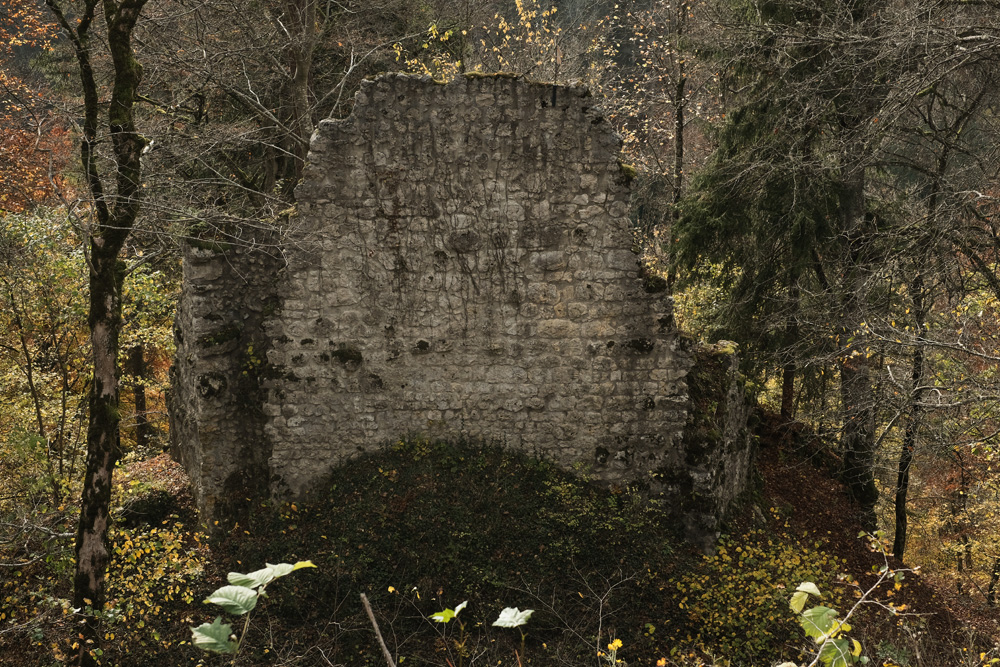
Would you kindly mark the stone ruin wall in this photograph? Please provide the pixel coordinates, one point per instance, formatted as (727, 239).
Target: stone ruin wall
(461, 265)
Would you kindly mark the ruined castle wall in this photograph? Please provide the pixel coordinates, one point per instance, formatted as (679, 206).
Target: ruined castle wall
(461, 265)
(217, 389)
(465, 268)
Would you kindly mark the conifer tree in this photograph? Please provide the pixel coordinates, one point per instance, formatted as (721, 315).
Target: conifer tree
(786, 204)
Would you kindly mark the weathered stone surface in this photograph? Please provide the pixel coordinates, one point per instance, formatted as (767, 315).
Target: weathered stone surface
(461, 266)
(216, 398)
(716, 444)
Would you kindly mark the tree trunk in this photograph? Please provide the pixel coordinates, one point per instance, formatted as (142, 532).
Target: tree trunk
(959, 514)
(679, 102)
(788, 368)
(137, 369)
(991, 593)
(103, 450)
(910, 435)
(301, 17)
(788, 392)
(857, 440)
(115, 216)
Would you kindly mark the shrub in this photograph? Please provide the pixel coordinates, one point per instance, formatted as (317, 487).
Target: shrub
(736, 601)
(153, 575)
(443, 523)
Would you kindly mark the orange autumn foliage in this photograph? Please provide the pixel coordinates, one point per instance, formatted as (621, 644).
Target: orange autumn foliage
(33, 147)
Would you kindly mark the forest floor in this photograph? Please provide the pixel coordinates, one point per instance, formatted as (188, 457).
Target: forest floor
(801, 480)
(498, 529)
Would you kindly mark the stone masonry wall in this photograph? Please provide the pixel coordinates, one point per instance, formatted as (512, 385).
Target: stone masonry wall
(217, 388)
(462, 266)
(466, 269)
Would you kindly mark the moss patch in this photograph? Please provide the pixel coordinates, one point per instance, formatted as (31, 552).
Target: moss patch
(491, 75)
(628, 172)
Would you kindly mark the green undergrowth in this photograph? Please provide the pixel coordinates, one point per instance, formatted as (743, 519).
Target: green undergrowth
(424, 526)
(734, 603)
(155, 574)
(421, 527)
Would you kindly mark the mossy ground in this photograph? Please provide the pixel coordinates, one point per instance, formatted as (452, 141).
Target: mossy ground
(425, 526)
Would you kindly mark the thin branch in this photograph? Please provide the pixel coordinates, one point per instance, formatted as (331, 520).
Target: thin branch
(378, 634)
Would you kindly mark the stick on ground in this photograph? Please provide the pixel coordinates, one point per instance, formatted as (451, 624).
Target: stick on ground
(378, 634)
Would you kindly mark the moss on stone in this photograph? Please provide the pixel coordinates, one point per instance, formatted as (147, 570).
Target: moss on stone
(210, 245)
(629, 172)
(725, 348)
(491, 75)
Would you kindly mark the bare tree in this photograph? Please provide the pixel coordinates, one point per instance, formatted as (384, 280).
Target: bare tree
(116, 201)
(235, 91)
(661, 93)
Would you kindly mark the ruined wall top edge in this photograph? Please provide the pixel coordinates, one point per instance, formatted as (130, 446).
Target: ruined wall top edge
(551, 121)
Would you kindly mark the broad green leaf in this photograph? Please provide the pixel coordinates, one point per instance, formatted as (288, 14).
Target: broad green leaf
(281, 569)
(214, 637)
(443, 616)
(236, 600)
(261, 577)
(810, 588)
(818, 621)
(267, 574)
(836, 653)
(798, 601)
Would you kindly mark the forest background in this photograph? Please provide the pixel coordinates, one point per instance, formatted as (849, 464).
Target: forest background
(814, 179)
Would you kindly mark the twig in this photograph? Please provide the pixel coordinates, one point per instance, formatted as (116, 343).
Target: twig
(378, 634)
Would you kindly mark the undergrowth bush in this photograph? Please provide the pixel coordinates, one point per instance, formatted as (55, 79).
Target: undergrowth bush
(154, 576)
(148, 506)
(421, 527)
(36, 565)
(459, 522)
(151, 568)
(735, 602)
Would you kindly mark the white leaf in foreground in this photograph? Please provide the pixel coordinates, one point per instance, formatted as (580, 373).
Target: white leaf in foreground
(512, 617)
(810, 588)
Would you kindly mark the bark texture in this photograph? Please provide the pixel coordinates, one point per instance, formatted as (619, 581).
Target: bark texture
(857, 440)
(116, 208)
(137, 369)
